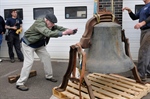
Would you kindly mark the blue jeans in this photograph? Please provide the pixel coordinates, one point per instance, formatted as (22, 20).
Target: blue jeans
(1, 39)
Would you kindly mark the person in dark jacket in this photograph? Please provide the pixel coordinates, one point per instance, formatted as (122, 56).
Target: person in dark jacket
(14, 24)
(143, 15)
(2, 31)
(35, 40)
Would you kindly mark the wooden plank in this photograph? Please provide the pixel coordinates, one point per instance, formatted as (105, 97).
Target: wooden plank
(123, 80)
(70, 95)
(113, 86)
(122, 83)
(121, 87)
(97, 86)
(64, 94)
(14, 78)
(134, 86)
(75, 91)
(105, 87)
(96, 94)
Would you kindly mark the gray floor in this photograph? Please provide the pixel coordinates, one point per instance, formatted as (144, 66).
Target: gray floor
(39, 87)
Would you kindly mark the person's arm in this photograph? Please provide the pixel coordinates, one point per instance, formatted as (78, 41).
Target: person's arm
(7, 25)
(131, 14)
(69, 31)
(66, 31)
(47, 32)
(144, 22)
(58, 31)
(139, 25)
(3, 26)
(60, 28)
(147, 20)
(21, 24)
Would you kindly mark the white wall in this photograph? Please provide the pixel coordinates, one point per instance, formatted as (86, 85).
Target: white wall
(128, 25)
(58, 47)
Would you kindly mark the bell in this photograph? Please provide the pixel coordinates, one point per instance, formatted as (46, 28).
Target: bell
(106, 53)
(102, 41)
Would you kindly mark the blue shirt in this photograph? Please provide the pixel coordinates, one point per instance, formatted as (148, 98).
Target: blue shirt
(143, 14)
(39, 43)
(13, 22)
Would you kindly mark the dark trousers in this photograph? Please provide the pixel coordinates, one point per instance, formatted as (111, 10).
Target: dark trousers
(144, 54)
(13, 40)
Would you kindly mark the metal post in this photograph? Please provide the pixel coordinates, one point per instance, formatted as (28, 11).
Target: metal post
(96, 6)
(112, 6)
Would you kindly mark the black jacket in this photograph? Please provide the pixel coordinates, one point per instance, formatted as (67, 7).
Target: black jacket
(2, 25)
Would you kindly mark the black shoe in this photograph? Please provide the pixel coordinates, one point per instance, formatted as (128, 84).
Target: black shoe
(12, 60)
(143, 79)
(22, 87)
(148, 76)
(21, 60)
(51, 79)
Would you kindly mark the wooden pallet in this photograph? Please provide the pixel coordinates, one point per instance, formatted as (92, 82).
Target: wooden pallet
(106, 87)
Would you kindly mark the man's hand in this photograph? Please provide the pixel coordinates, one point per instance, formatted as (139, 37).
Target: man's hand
(14, 27)
(69, 32)
(138, 25)
(126, 8)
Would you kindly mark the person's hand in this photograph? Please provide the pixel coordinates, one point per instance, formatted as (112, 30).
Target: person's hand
(14, 28)
(139, 25)
(70, 31)
(126, 8)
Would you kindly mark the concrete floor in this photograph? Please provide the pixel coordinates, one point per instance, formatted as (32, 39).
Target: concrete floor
(39, 87)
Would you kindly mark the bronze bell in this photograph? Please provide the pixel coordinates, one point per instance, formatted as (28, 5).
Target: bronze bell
(103, 43)
(106, 53)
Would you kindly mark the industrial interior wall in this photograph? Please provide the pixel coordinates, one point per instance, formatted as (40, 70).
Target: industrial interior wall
(57, 47)
(128, 26)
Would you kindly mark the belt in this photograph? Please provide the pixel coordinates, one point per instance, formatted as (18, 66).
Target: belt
(145, 28)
